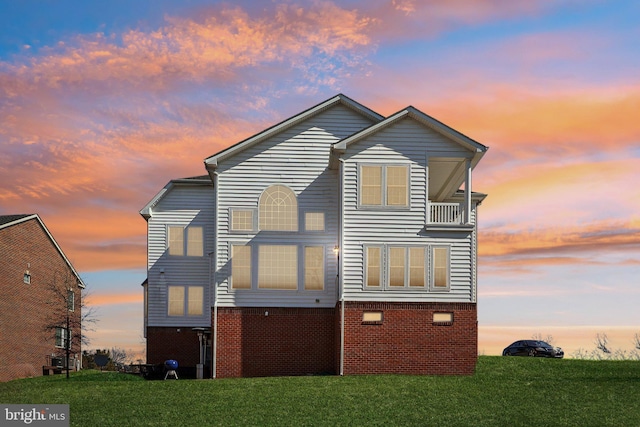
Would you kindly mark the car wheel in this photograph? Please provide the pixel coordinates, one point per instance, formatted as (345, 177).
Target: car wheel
(532, 353)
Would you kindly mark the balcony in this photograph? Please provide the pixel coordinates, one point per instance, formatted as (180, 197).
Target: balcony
(447, 214)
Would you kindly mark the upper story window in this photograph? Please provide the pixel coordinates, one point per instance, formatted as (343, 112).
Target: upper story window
(278, 209)
(314, 221)
(384, 185)
(185, 240)
(185, 299)
(242, 220)
(71, 300)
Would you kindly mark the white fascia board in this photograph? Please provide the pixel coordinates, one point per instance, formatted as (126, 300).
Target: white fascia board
(474, 147)
(147, 209)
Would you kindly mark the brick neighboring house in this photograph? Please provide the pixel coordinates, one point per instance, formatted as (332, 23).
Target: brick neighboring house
(337, 241)
(39, 288)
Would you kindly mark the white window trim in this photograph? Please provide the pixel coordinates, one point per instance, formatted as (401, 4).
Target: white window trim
(432, 288)
(185, 240)
(384, 204)
(385, 268)
(185, 301)
(365, 263)
(254, 212)
(297, 210)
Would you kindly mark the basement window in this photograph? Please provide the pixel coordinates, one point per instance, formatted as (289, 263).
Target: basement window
(372, 317)
(443, 318)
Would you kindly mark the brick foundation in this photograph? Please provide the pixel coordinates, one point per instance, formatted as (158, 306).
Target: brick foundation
(294, 341)
(255, 342)
(179, 344)
(408, 342)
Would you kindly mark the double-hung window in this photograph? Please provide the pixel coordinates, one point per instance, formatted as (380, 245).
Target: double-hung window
(440, 268)
(407, 267)
(61, 337)
(384, 186)
(394, 267)
(185, 240)
(185, 299)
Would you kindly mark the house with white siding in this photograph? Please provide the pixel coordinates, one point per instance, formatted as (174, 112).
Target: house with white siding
(338, 241)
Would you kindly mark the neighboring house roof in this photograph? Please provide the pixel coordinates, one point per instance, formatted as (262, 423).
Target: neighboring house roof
(7, 221)
(212, 161)
(193, 180)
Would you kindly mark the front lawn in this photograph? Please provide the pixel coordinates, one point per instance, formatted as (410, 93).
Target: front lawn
(504, 391)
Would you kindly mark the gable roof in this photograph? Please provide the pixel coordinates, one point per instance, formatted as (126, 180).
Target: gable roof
(193, 180)
(212, 162)
(7, 221)
(412, 112)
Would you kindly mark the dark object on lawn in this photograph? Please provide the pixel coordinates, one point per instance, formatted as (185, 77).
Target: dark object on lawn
(101, 360)
(171, 366)
(533, 348)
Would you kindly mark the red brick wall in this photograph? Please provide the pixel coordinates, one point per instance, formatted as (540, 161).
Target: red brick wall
(26, 310)
(180, 344)
(408, 342)
(286, 341)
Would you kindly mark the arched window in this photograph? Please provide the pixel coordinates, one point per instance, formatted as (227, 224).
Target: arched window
(278, 209)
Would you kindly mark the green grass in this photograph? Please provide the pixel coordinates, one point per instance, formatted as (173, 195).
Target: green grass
(504, 391)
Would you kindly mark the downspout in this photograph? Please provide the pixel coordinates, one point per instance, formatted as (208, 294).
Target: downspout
(340, 269)
(213, 262)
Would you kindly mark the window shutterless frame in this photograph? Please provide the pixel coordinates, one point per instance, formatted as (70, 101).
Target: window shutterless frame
(440, 268)
(243, 220)
(384, 186)
(373, 266)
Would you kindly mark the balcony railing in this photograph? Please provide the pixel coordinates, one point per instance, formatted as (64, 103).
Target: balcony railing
(446, 213)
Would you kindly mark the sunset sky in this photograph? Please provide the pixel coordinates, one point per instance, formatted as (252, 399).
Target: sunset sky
(102, 103)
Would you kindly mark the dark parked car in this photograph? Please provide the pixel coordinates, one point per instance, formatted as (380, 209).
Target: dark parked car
(532, 348)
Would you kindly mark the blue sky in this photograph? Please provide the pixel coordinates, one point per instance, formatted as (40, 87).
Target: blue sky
(102, 103)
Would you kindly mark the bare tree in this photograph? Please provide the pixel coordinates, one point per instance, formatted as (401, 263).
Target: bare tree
(538, 337)
(68, 314)
(601, 343)
(636, 341)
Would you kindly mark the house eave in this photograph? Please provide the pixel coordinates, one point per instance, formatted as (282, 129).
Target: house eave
(211, 163)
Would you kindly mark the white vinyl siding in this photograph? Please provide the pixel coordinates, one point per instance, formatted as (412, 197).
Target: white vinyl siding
(297, 158)
(367, 227)
(182, 206)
